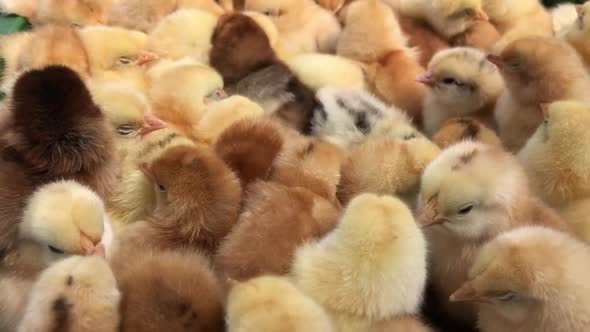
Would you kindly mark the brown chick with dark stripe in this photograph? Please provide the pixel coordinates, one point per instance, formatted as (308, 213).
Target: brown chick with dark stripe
(244, 57)
(51, 130)
(460, 129)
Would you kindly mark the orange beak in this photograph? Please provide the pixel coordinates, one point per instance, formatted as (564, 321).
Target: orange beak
(152, 123)
(495, 59)
(428, 216)
(144, 57)
(426, 78)
(545, 109)
(480, 15)
(99, 250)
(467, 293)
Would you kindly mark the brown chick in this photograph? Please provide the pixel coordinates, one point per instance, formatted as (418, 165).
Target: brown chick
(461, 129)
(51, 131)
(242, 54)
(198, 198)
(530, 279)
(249, 148)
(469, 194)
(482, 35)
(74, 12)
(536, 70)
(170, 291)
(421, 36)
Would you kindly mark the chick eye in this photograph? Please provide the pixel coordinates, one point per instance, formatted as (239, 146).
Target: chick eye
(161, 188)
(56, 251)
(468, 12)
(509, 296)
(125, 130)
(124, 61)
(449, 81)
(268, 13)
(466, 209)
(409, 137)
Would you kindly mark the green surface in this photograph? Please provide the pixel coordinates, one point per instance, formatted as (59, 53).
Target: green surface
(10, 24)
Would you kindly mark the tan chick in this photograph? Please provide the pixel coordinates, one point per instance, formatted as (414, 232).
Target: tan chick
(555, 159)
(386, 167)
(169, 291)
(373, 35)
(530, 279)
(421, 36)
(65, 12)
(296, 205)
(357, 269)
(578, 33)
(197, 203)
(536, 70)
(76, 294)
(461, 129)
(324, 70)
(304, 26)
(274, 304)
(471, 193)
(462, 83)
(482, 35)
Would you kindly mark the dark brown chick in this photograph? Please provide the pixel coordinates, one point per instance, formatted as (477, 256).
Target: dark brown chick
(244, 57)
(172, 292)
(51, 130)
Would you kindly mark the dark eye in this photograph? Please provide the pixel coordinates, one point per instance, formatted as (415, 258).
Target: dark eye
(56, 251)
(161, 188)
(267, 13)
(125, 130)
(124, 61)
(449, 81)
(468, 12)
(409, 137)
(466, 209)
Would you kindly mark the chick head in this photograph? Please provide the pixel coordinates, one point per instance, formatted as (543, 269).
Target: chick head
(471, 190)
(452, 17)
(274, 9)
(65, 218)
(538, 69)
(360, 266)
(347, 117)
(556, 157)
(460, 129)
(274, 304)
(463, 78)
(523, 271)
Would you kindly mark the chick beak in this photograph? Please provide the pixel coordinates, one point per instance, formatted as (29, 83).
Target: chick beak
(495, 59)
(144, 57)
(152, 124)
(579, 9)
(86, 245)
(545, 109)
(147, 171)
(426, 78)
(467, 293)
(428, 217)
(480, 15)
(99, 250)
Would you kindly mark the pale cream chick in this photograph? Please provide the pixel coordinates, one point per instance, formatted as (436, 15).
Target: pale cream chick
(578, 33)
(274, 304)
(116, 54)
(536, 70)
(530, 279)
(556, 160)
(357, 269)
(462, 83)
(323, 70)
(386, 167)
(469, 194)
(185, 33)
(564, 16)
(77, 294)
(75, 12)
(304, 26)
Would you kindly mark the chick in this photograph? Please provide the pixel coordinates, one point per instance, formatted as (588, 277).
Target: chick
(170, 291)
(274, 304)
(357, 269)
(536, 70)
(554, 159)
(77, 294)
(386, 167)
(75, 12)
(469, 194)
(460, 129)
(250, 67)
(482, 35)
(185, 33)
(529, 16)
(115, 54)
(530, 279)
(304, 26)
(462, 83)
(197, 203)
(349, 117)
(564, 16)
(140, 15)
(249, 147)
(333, 5)
(322, 70)
(15, 295)
(421, 36)
(50, 131)
(577, 35)
(276, 42)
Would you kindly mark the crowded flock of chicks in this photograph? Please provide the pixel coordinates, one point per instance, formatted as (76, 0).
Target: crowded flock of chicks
(291, 165)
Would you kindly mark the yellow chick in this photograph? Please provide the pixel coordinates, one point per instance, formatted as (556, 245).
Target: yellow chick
(462, 82)
(78, 294)
(460, 129)
(386, 167)
(530, 279)
(304, 26)
(564, 16)
(348, 117)
(578, 33)
(74, 12)
(536, 70)
(357, 269)
(555, 159)
(185, 33)
(274, 304)
(469, 194)
(323, 70)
